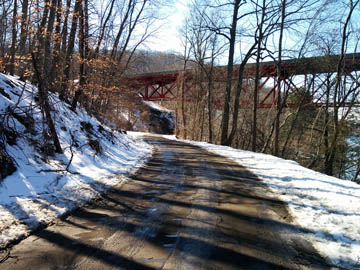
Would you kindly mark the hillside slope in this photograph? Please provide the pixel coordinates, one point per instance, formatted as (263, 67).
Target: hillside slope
(45, 184)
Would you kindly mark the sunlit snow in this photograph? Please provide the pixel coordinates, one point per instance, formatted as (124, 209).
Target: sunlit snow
(327, 209)
(33, 195)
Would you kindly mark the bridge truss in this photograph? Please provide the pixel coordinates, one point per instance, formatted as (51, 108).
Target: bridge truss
(163, 85)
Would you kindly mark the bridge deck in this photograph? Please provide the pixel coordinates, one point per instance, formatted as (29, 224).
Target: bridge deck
(161, 85)
(301, 66)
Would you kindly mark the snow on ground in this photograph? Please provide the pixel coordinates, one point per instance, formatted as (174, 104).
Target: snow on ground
(353, 115)
(34, 196)
(157, 106)
(327, 209)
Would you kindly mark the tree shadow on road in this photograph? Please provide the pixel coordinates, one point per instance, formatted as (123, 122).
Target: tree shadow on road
(156, 200)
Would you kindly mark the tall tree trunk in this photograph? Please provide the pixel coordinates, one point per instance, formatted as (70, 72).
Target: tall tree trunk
(70, 49)
(48, 36)
(292, 126)
(329, 166)
(24, 25)
(82, 50)
(209, 99)
(64, 33)
(57, 44)
(103, 27)
(182, 103)
(257, 77)
(279, 104)
(44, 102)
(239, 87)
(41, 33)
(132, 25)
(226, 111)
(195, 114)
(23, 36)
(129, 11)
(11, 67)
(86, 31)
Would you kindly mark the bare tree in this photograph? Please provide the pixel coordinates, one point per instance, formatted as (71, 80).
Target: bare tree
(329, 161)
(259, 37)
(70, 49)
(64, 33)
(204, 47)
(11, 67)
(180, 108)
(24, 25)
(45, 106)
(279, 77)
(83, 54)
(103, 26)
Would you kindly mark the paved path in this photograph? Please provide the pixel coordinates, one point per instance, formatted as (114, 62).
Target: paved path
(186, 209)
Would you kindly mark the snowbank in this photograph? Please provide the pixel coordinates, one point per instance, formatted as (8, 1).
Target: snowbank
(326, 208)
(41, 190)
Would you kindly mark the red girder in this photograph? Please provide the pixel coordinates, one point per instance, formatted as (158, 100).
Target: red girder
(161, 84)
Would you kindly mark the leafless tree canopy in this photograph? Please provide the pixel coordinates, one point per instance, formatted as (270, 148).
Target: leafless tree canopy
(235, 33)
(87, 50)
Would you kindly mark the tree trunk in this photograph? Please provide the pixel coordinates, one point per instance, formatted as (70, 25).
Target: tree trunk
(182, 98)
(41, 33)
(86, 33)
(44, 102)
(102, 31)
(329, 166)
(23, 36)
(279, 104)
(226, 111)
(257, 77)
(48, 36)
(357, 173)
(24, 25)
(82, 75)
(129, 12)
(209, 100)
(70, 48)
(237, 96)
(64, 33)
(11, 68)
(132, 25)
(57, 44)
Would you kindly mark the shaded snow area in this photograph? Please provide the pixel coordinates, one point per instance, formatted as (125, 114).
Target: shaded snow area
(161, 119)
(327, 209)
(157, 106)
(41, 189)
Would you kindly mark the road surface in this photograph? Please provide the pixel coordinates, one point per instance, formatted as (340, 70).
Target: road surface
(186, 209)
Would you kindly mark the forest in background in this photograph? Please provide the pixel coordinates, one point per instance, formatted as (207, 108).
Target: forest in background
(84, 50)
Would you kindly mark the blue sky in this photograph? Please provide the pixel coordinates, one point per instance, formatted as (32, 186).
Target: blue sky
(167, 38)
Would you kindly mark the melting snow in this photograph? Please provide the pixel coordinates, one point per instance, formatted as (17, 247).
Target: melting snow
(326, 208)
(36, 193)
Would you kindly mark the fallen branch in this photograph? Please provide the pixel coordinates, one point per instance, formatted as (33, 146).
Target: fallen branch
(60, 170)
(7, 256)
(71, 158)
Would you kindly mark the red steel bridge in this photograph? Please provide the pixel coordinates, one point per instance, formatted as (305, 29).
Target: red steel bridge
(162, 85)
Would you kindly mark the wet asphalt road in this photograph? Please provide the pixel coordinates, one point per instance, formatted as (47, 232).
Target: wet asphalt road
(186, 209)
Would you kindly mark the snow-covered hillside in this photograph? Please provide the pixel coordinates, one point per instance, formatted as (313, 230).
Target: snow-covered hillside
(46, 185)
